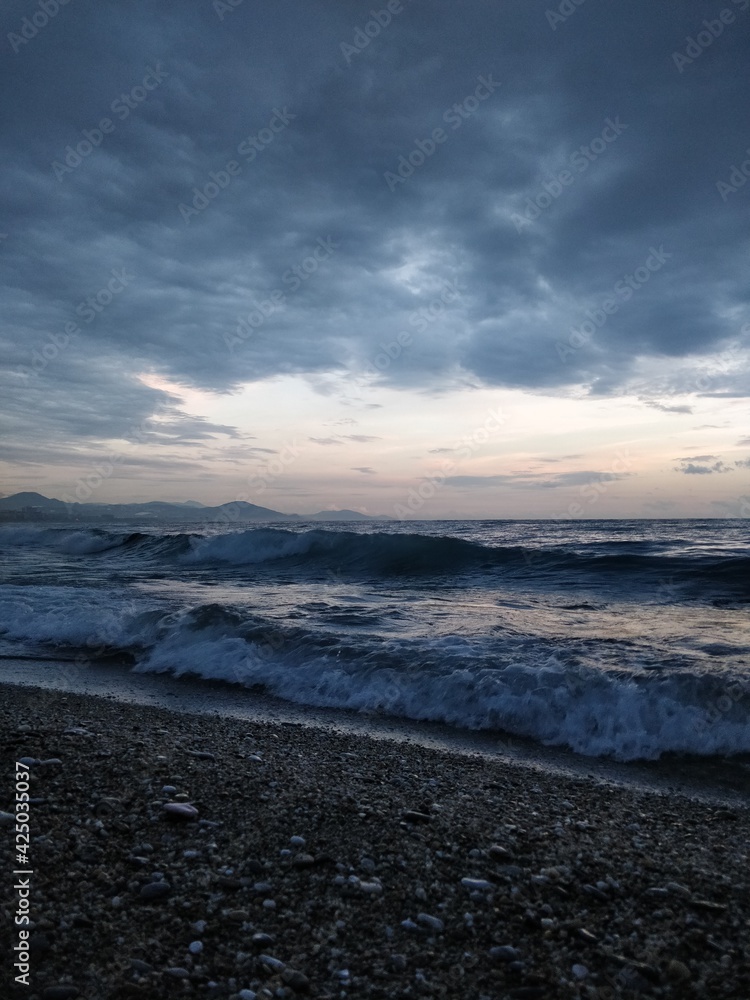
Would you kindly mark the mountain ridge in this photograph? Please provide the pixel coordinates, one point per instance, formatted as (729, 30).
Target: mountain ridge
(35, 506)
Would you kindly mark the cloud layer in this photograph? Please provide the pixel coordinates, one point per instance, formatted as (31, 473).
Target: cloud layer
(465, 195)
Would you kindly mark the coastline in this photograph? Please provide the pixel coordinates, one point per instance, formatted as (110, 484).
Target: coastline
(717, 780)
(579, 888)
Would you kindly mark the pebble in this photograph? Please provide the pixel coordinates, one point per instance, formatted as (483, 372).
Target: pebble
(398, 962)
(303, 860)
(247, 995)
(155, 890)
(261, 940)
(499, 853)
(504, 953)
(201, 755)
(371, 888)
(412, 816)
(199, 926)
(434, 923)
(168, 789)
(30, 762)
(580, 971)
(180, 811)
(297, 841)
(678, 971)
(6, 819)
(141, 967)
(177, 972)
(477, 884)
(298, 981)
(678, 889)
(195, 947)
(271, 964)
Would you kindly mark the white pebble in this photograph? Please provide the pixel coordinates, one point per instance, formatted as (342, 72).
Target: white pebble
(476, 884)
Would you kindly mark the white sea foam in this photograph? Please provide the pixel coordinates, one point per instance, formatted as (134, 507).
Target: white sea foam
(591, 712)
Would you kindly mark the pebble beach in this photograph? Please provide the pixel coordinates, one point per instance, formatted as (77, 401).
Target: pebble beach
(177, 855)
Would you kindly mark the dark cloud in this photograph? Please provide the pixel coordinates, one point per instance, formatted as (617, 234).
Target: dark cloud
(303, 260)
(689, 467)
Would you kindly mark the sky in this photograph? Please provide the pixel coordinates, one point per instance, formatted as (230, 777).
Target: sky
(422, 259)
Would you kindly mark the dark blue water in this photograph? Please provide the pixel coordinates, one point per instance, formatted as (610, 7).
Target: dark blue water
(620, 638)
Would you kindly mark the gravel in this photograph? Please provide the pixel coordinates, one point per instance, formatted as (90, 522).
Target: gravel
(413, 872)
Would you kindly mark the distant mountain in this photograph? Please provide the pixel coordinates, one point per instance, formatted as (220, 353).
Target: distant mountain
(20, 500)
(34, 506)
(345, 515)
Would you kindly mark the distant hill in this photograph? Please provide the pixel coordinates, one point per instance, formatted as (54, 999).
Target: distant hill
(344, 515)
(20, 500)
(33, 506)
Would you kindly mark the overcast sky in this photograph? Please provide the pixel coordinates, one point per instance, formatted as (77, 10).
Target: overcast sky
(451, 259)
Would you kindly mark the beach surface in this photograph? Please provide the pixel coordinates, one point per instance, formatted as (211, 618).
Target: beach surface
(325, 863)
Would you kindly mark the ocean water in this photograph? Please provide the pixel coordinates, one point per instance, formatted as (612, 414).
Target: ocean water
(627, 639)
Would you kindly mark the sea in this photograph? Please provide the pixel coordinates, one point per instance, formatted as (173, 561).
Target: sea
(622, 639)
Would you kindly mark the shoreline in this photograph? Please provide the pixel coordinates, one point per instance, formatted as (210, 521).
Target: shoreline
(578, 887)
(718, 780)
